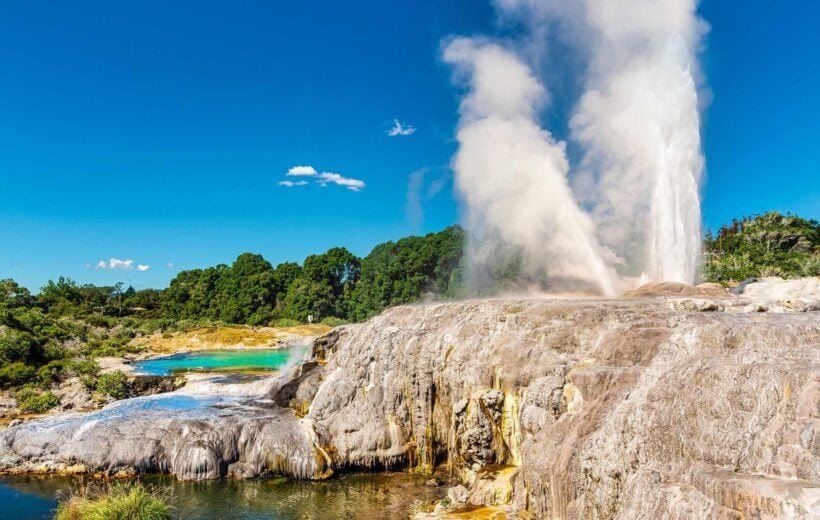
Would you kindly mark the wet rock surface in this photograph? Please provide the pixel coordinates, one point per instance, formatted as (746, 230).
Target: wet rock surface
(632, 408)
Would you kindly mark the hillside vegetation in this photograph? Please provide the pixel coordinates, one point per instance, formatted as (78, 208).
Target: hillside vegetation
(765, 245)
(49, 337)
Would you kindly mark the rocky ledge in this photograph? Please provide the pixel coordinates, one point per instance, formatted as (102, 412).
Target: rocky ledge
(631, 408)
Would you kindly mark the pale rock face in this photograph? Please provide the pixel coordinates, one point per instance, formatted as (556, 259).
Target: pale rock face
(774, 289)
(611, 409)
(635, 408)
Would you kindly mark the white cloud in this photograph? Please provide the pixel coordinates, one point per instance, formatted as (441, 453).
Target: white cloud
(399, 129)
(124, 265)
(302, 171)
(170, 265)
(352, 184)
(291, 184)
(116, 263)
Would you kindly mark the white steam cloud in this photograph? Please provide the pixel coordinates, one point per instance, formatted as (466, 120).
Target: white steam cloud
(636, 121)
(513, 174)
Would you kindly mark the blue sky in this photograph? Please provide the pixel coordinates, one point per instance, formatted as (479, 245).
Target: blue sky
(158, 132)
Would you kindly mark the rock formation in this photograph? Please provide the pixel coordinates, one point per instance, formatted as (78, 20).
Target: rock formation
(632, 408)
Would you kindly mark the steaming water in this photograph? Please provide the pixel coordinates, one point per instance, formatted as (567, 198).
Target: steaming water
(215, 360)
(630, 206)
(385, 495)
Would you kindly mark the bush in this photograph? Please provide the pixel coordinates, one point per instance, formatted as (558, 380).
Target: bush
(118, 502)
(38, 403)
(85, 366)
(97, 321)
(25, 391)
(114, 384)
(54, 350)
(52, 371)
(89, 381)
(114, 347)
(16, 374)
(17, 346)
(330, 321)
(285, 322)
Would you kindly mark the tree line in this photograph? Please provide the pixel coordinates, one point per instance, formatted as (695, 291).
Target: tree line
(66, 325)
(335, 285)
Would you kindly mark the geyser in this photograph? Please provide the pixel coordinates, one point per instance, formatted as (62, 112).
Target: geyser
(635, 210)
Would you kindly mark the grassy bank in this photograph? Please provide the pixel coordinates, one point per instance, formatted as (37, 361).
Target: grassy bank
(120, 501)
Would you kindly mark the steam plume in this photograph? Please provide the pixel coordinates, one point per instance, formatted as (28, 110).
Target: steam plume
(513, 174)
(637, 123)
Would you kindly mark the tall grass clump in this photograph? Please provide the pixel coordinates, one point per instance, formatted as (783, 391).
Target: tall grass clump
(120, 501)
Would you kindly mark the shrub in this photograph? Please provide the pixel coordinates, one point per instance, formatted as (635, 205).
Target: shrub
(54, 350)
(25, 391)
(97, 321)
(38, 403)
(152, 326)
(114, 384)
(285, 322)
(330, 321)
(115, 347)
(52, 371)
(16, 345)
(120, 501)
(89, 381)
(15, 374)
(85, 366)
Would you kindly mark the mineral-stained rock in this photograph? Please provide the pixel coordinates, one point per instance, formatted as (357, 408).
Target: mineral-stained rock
(593, 403)
(564, 409)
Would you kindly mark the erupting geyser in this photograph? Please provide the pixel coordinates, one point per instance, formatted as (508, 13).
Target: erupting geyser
(634, 210)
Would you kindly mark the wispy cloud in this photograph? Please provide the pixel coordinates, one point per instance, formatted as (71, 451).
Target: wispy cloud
(413, 208)
(322, 179)
(124, 265)
(291, 184)
(326, 178)
(417, 195)
(170, 265)
(302, 171)
(400, 129)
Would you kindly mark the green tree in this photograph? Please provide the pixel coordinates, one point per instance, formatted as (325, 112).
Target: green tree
(765, 245)
(305, 297)
(406, 271)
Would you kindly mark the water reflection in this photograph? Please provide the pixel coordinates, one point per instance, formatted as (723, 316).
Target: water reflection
(372, 495)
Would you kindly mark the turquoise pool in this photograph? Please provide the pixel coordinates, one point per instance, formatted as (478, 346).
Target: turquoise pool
(217, 361)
